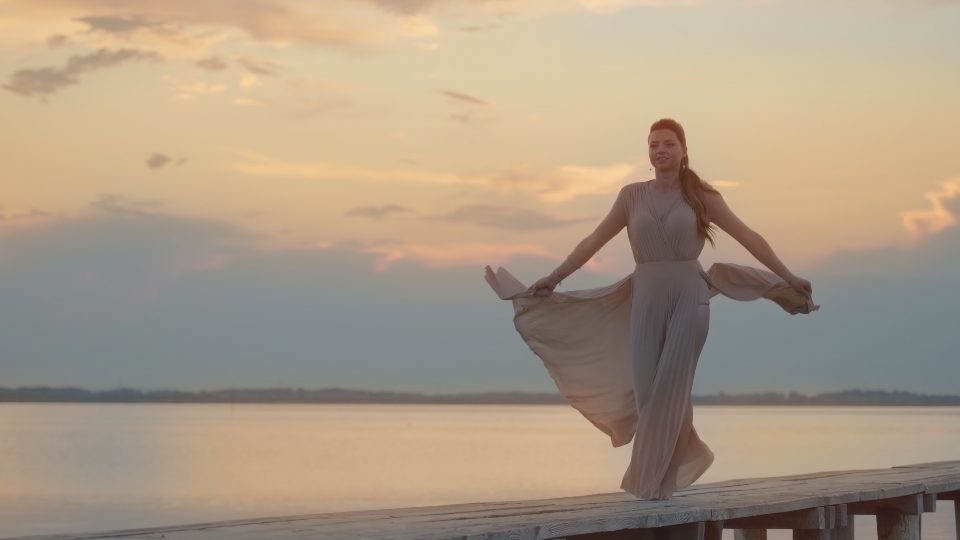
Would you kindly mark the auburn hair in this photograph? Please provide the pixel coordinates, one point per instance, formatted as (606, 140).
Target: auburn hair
(694, 189)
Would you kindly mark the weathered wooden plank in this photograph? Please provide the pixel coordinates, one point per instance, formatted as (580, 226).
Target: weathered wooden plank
(931, 465)
(605, 513)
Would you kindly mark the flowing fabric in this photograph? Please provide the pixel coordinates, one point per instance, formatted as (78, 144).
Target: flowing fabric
(625, 355)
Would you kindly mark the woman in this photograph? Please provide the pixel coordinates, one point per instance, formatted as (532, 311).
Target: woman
(625, 355)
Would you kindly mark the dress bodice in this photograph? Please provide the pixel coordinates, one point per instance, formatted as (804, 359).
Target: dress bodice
(671, 236)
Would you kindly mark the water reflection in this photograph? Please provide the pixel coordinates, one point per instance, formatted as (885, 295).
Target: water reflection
(69, 467)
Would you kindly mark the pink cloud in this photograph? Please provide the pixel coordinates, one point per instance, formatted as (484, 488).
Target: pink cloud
(923, 223)
(453, 255)
(561, 184)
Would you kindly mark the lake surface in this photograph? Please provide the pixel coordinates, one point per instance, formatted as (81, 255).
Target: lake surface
(91, 467)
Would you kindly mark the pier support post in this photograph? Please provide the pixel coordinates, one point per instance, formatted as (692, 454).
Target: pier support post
(955, 497)
(929, 502)
(713, 530)
(894, 526)
(898, 518)
(845, 532)
(750, 534)
(813, 534)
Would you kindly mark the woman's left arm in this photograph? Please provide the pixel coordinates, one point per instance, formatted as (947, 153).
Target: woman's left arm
(723, 217)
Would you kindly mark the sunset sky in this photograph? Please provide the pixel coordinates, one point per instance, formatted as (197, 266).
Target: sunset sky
(205, 193)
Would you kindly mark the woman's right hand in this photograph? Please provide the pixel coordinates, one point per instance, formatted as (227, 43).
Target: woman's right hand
(549, 283)
(802, 286)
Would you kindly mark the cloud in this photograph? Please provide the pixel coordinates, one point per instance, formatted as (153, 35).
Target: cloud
(46, 81)
(211, 64)
(188, 90)
(312, 96)
(33, 213)
(946, 208)
(562, 184)
(118, 204)
(613, 6)
(25, 215)
(58, 40)
(405, 7)
(888, 320)
(352, 25)
(117, 25)
(249, 102)
(464, 98)
(414, 7)
(514, 219)
(471, 118)
(162, 301)
(521, 7)
(452, 255)
(377, 212)
(478, 27)
(147, 31)
(249, 80)
(725, 183)
(474, 109)
(259, 66)
(157, 161)
(417, 27)
(335, 23)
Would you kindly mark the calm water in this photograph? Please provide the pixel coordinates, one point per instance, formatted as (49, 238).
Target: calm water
(73, 468)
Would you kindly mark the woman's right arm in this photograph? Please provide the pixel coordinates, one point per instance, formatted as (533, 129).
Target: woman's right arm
(611, 225)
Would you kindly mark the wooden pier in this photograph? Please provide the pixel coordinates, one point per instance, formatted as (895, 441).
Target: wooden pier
(816, 506)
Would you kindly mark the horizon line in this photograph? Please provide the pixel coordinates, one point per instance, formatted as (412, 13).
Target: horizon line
(335, 395)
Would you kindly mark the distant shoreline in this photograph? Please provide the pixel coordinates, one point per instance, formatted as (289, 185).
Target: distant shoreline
(41, 394)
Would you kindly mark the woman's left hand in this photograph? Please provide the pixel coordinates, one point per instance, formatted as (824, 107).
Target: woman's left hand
(802, 286)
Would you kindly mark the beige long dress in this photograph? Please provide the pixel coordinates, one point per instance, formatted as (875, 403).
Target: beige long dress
(625, 355)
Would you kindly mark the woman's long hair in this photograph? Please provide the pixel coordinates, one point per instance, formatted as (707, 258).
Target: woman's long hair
(693, 188)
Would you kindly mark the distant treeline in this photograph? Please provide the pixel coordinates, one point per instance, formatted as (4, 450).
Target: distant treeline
(338, 395)
(270, 395)
(846, 397)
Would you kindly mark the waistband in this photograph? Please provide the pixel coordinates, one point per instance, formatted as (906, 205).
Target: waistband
(689, 262)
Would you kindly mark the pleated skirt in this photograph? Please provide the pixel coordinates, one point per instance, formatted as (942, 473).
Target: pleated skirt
(669, 321)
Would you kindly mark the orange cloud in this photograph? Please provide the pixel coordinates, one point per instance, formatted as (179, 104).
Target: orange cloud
(562, 184)
(724, 183)
(922, 223)
(187, 24)
(437, 256)
(613, 6)
(334, 23)
(453, 255)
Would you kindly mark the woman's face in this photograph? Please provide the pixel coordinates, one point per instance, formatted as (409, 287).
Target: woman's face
(665, 150)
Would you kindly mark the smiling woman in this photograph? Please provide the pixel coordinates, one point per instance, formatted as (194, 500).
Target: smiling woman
(625, 355)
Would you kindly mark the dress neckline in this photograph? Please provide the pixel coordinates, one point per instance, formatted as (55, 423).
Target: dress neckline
(652, 207)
